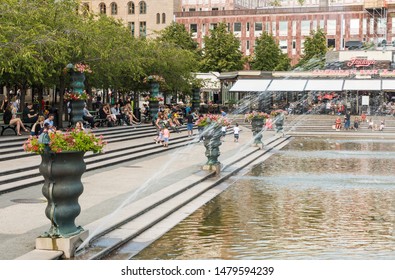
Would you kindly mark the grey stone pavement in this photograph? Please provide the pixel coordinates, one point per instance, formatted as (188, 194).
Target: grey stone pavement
(104, 189)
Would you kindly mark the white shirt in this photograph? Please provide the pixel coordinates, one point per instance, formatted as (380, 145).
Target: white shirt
(236, 130)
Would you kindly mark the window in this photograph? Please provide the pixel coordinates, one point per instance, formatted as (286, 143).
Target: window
(102, 8)
(274, 28)
(283, 28)
(283, 44)
(143, 8)
(163, 18)
(193, 28)
(293, 28)
(192, 9)
(293, 44)
(214, 9)
(237, 27)
(157, 18)
(305, 27)
(213, 26)
(331, 43)
(143, 29)
(381, 25)
(354, 26)
(130, 8)
(364, 26)
(248, 27)
(114, 8)
(247, 45)
(85, 9)
(258, 26)
(331, 27)
(131, 27)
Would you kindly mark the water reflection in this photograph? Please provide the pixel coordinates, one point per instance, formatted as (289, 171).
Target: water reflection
(315, 206)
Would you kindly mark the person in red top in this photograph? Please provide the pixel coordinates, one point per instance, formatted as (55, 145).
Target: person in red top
(338, 124)
(363, 117)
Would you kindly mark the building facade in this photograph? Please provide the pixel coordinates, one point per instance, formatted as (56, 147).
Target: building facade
(143, 17)
(364, 22)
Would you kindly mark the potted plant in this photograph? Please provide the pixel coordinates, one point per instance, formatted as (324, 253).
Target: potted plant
(211, 131)
(62, 166)
(278, 116)
(257, 120)
(78, 95)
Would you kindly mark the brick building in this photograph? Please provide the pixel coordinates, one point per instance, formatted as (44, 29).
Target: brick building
(343, 22)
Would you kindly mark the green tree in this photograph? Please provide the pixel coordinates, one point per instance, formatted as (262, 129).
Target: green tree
(314, 51)
(221, 51)
(268, 55)
(177, 35)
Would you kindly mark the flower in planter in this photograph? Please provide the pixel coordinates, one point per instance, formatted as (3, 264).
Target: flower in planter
(214, 120)
(257, 116)
(66, 141)
(78, 67)
(277, 112)
(153, 78)
(154, 98)
(75, 96)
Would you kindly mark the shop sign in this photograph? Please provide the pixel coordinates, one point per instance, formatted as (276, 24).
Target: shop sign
(360, 62)
(365, 72)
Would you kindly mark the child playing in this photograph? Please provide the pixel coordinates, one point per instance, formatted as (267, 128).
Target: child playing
(158, 139)
(382, 124)
(236, 131)
(166, 136)
(223, 131)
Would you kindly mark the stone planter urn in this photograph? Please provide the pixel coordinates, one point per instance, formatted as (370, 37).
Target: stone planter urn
(153, 107)
(77, 82)
(257, 125)
(77, 113)
(62, 187)
(212, 141)
(279, 122)
(77, 106)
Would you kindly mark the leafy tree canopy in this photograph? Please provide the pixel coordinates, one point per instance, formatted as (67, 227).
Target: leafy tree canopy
(268, 55)
(221, 51)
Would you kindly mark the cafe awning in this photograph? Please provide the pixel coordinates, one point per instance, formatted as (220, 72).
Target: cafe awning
(325, 85)
(250, 85)
(388, 85)
(362, 85)
(287, 85)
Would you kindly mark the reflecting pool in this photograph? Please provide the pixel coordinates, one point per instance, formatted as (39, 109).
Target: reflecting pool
(315, 199)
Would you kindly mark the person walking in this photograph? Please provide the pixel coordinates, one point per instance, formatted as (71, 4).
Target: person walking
(190, 124)
(347, 120)
(236, 131)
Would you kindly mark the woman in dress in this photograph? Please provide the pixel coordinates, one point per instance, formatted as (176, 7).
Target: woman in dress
(127, 110)
(10, 117)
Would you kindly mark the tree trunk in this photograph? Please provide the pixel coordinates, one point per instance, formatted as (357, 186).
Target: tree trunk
(61, 101)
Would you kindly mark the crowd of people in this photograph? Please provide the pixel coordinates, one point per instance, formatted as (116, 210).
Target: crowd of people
(358, 121)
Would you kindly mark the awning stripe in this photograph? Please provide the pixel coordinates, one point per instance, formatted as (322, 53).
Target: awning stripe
(287, 85)
(325, 85)
(362, 85)
(250, 85)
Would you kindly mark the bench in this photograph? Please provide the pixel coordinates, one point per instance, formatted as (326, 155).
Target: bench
(4, 127)
(101, 122)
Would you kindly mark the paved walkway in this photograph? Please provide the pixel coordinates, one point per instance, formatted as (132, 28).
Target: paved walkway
(105, 190)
